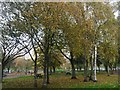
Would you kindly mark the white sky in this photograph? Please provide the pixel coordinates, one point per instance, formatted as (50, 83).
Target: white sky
(116, 14)
(27, 56)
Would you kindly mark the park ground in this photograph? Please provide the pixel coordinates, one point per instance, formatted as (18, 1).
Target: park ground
(60, 80)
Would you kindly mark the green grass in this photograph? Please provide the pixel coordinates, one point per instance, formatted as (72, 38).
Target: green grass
(60, 80)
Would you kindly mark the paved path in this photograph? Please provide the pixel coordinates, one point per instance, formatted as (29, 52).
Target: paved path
(15, 75)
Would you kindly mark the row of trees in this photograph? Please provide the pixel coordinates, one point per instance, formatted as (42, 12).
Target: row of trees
(84, 32)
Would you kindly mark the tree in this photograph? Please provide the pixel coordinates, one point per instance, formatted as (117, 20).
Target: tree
(21, 34)
(32, 27)
(109, 45)
(100, 20)
(75, 29)
(118, 18)
(67, 25)
(11, 49)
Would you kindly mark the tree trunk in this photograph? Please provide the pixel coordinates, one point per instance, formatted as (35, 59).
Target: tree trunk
(99, 68)
(48, 75)
(115, 67)
(80, 68)
(44, 84)
(108, 72)
(2, 71)
(111, 70)
(85, 66)
(73, 70)
(95, 66)
(48, 71)
(46, 59)
(77, 68)
(26, 71)
(85, 71)
(53, 69)
(91, 63)
(8, 69)
(35, 62)
(1, 74)
(106, 69)
(35, 74)
(73, 67)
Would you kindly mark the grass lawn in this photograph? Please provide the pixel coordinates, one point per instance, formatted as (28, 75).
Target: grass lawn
(60, 80)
